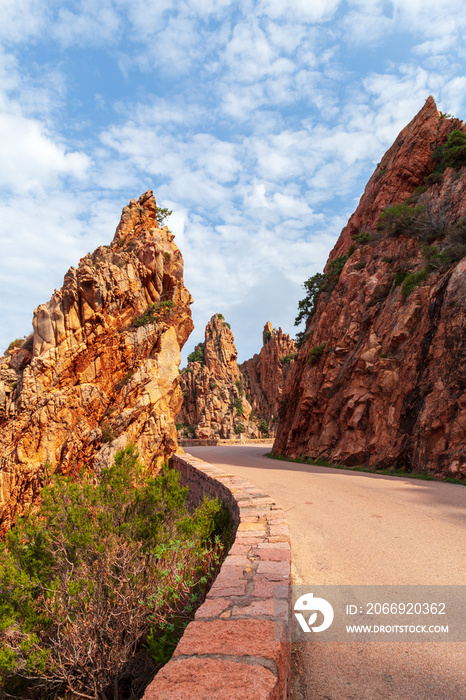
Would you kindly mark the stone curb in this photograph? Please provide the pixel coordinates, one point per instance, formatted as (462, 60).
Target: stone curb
(236, 646)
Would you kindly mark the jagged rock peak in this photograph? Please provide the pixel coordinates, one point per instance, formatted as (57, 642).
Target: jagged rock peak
(264, 374)
(215, 405)
(137, 216)
(220, 349)
(103, 370)
(380, 378)
(401, 170)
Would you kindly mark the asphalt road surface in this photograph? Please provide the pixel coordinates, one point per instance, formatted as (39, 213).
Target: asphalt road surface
(354, 528)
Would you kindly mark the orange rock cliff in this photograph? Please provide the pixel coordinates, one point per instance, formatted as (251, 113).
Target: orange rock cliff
(101, 368)
(380, 378)
(223, 400)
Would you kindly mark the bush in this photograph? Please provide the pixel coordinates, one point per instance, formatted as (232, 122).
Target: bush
(452, 154)
(100, 569)
(400, 275)
(411, 282)
(264, 427)
(239, 428)
(361, 238)
(334, 269)
(316, 353)
(198, 354)
(400, 220)
(434, 178)
(17, 343)
(237, 403)
(158, 311)
(288, 359)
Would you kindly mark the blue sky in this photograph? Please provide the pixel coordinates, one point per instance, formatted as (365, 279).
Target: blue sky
(257, 122)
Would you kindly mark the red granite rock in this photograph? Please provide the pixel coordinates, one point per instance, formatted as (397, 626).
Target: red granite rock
(380, 379)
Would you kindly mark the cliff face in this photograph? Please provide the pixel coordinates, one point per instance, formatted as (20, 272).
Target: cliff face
(101, 368)
(214, 404)
(264, 374)
(380, 378)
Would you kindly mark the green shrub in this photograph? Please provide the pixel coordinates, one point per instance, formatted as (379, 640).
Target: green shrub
(434, 178)
(239, 428)
(97, 571)
(411, 282)
(198, 354)
(361, 238)
(451, 154)
(17, 343)
(267, 336)
(316, 353)
(400, 220)
(264, 427)
(158, 311)
(400, 275)
(239, 406)
(334, 269)
(288, 359)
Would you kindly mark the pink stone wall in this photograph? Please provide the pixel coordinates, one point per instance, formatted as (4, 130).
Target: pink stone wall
(236, 648)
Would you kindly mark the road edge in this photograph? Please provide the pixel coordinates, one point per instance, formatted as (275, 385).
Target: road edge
(236, 647)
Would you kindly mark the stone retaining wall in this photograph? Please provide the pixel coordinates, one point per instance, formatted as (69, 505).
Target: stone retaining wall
(235, 648)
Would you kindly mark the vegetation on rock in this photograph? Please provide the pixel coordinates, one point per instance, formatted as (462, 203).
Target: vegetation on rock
(197, 355)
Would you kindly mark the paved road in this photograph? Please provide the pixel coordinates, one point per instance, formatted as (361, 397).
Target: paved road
(354, 528)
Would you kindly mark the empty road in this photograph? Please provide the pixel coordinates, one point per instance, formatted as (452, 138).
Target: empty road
(355, 528)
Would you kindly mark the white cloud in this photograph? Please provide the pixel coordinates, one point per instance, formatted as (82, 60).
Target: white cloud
(22, 20)
(315, 11)
(93, 22)
(30, 159)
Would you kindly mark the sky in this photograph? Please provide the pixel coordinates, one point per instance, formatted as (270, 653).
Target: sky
(257, 122)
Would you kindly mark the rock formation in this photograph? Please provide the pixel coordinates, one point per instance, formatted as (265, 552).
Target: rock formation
(101, 368)
(380, 377)
(214, 404)
(223, 400)
(264, 374)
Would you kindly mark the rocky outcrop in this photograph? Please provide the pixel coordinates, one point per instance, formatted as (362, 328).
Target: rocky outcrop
(101, 368)
(214, 404)
(264, 374)
(223, 400)
(380, 379)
